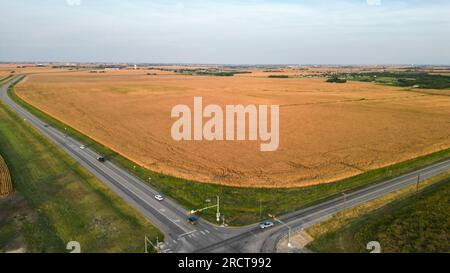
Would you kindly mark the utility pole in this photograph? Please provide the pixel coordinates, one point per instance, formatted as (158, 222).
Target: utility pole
(345, 198)
(214, 206)
(389, 172)
(260, 209)
(418, 181)
(284, 224)
(218, 209)
(419, 231)
(146, 241)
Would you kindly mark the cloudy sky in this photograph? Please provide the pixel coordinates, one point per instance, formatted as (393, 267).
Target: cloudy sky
(228, 31)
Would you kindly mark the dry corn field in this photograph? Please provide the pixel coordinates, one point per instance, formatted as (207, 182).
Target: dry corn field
(6, 187)
(327, 131)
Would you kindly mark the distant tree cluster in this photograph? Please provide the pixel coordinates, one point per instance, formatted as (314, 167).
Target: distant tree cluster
(209, 72)
(336, 79)
(408, 79)
(221, 74)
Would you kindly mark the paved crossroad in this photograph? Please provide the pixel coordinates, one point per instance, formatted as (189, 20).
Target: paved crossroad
(170, 217)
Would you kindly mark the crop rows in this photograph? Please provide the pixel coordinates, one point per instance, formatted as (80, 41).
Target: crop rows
(5, 179)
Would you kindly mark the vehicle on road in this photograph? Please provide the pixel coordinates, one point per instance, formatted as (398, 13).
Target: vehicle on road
(193, 220)
(46, 125)
(266, 224)
(101, 159)
(82, 147)
(159, 197)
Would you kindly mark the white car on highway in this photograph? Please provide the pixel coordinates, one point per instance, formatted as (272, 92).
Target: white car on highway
(265, 225)
(159, 197)
(82, 147)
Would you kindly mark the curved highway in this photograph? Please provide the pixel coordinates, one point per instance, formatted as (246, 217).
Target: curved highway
(170, 217)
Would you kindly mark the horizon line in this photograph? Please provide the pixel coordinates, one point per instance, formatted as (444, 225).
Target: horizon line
(222, 64)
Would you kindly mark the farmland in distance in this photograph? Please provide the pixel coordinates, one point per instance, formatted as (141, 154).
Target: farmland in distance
(328, 131)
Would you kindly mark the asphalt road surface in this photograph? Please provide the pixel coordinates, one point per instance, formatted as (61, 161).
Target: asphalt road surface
(168, 216)
(254, 240)
(205, 237)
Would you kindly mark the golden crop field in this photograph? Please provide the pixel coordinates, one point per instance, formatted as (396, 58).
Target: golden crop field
(327, 131)
(6, 187)
(5, 71)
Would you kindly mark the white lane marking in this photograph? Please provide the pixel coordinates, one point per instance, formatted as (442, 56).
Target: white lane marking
(185, 234)
(117, 178)
(399, 179)
(389, 187)
(128, 184)
(336, 207)
(133, 189)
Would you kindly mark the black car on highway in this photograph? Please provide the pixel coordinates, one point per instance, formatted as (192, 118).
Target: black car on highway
(101, 159)
(193, 220)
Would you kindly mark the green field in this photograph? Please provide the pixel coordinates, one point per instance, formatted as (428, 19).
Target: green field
(240, 206)
(404, 79)
(57, 200)
(418, 222)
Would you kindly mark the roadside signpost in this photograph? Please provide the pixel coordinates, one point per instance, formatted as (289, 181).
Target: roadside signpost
(284, 224)
(217, 205)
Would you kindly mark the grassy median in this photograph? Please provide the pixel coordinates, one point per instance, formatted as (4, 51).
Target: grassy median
(57, 200)
(240, 206)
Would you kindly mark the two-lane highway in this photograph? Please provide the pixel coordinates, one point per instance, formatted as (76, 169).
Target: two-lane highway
(256, 241)
(170, 217)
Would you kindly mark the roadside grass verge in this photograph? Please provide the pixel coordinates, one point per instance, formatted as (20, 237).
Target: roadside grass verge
(404, 221)
(65, 202)
(241, 206)
(3, 80)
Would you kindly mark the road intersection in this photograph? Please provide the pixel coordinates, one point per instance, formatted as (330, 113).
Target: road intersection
(170, 218)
